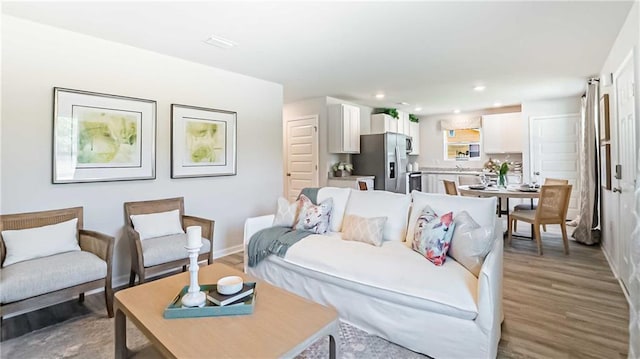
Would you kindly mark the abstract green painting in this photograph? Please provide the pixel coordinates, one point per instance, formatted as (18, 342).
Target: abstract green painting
(205, 142)
(107, 138)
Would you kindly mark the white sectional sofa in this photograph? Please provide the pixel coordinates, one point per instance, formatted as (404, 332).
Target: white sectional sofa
(392, 291)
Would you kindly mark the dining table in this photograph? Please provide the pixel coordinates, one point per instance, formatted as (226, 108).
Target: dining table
(503, 194)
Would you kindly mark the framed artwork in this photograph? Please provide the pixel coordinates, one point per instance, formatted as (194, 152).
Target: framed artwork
(605, 167)
(203, 142)
(100, 137)
(604, 118)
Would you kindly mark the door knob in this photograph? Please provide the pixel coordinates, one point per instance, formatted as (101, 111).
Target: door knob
(617, 189)
(536, 173)
(288, 174)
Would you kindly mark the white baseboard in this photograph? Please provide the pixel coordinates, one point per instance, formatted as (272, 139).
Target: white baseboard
(616, 275)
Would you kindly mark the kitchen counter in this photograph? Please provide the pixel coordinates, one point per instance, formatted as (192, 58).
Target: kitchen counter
(352, 178)
(451, 171)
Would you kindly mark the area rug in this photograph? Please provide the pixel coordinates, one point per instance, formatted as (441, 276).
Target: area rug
(91, 336)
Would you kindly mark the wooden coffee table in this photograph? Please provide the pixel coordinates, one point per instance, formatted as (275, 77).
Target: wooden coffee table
(282, 324)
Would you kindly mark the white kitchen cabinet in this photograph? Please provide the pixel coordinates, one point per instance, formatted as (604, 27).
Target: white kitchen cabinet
(381, 123)
(403, 123)
(344, 129)
(414, 133)
(502, 133)
(433, 182)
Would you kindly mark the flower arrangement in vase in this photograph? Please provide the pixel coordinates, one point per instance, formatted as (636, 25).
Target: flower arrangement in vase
(504, 168)
(342, 169)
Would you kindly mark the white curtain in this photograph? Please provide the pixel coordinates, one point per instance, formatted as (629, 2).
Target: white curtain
(587, 231)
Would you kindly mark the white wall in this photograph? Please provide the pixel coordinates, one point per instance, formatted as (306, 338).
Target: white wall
(628, 41)
(36, 58)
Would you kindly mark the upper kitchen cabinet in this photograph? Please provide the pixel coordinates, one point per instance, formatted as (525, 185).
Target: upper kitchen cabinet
(414, 133)
(403, 123)
(381, 123)
(503, 133)
(344, 129)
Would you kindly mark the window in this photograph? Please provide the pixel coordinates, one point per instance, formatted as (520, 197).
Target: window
(462, 145)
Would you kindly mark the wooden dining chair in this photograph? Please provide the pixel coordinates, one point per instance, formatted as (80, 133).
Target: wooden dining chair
(525, 207)
(450, 187)
(552, 209)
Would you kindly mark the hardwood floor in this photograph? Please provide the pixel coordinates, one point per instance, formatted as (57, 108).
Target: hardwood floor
(555, 306)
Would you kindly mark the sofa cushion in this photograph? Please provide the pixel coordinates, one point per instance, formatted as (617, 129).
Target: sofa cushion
(433, 235)
(314, 218)
(25, 244)
(340, 197)
(394, 206)
(470, 243)
(286, 213)
(483, 210)
(47, 274)
(366, 230)
(157, 224)
(392, 268)
(165, 249)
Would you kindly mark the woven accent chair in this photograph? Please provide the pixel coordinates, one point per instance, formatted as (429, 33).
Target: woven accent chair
(524, 207)
(155, 255)
(450, 187)
(43, 281)
(552, 209)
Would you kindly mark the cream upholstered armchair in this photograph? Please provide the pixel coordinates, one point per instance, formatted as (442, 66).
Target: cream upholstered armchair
(156, 231)
(47, 257)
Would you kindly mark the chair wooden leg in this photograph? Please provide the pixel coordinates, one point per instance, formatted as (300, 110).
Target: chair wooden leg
(81, 298)
(536, 230)
(510, 229)
(565, 239)
(544, 227)
(108, 298)
(132, 279)
(184, 268)
(515, 226)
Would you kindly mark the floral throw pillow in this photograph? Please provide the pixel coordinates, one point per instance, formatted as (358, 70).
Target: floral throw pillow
(314, 218)
(432, 235)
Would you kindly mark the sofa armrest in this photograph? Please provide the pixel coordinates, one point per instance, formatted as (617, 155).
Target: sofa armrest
(251, 227)
(97, 243)
(490, 288)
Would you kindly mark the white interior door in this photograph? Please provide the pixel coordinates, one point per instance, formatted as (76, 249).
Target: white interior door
(554, 152)
(302, 155)
(624, 181)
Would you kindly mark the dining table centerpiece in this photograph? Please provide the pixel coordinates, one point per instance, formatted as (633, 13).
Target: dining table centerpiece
(502, 171)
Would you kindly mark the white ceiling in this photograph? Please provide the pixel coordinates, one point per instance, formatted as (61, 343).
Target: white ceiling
(429, 54)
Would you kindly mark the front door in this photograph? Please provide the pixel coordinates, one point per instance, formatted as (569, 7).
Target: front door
(625, 176)
(554, 153)
(301, 155)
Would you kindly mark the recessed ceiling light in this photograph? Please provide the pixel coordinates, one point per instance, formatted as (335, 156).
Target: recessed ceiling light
(418, 109)
(456, 111)
(379, 96)
(403, 103)
(497, 104)
(479, 88)
(220, 42)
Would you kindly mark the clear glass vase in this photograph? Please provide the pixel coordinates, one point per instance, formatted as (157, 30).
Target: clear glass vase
(502, 181)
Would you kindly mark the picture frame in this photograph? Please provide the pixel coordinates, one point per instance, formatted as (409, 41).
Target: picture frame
(203, 142)
(604, 118)
(100, 137)
(605, 166)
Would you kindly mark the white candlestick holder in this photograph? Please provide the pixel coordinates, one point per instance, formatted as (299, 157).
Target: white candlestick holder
(194, 297)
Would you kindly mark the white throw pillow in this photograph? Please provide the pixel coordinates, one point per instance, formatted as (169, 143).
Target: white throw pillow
(25, 244)
(157, 224)
(286, 214)
(366, 230)
(483, 210)
(340, 198)
(470, 243)
(394, 206)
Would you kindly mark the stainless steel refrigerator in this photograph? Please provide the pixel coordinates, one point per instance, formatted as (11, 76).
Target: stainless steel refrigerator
(384, 156)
